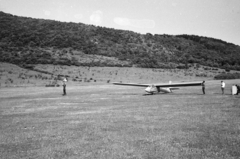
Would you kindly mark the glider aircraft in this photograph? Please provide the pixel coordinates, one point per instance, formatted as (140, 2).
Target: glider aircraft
(157, 88)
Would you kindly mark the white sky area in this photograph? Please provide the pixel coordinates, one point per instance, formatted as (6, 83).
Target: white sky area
(218, 19)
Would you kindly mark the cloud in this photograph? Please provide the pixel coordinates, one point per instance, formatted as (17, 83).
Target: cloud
(145, 23)
(122, 21)
(96, 17)
(78, 16)
(137, 23)
(47, 13)
(174, 4)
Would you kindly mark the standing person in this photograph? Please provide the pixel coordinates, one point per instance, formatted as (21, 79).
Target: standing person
(238, 89)
(222, 86)
(64, 86)
(203, 87)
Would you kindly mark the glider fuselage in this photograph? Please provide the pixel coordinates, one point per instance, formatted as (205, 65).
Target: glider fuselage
(153, 89)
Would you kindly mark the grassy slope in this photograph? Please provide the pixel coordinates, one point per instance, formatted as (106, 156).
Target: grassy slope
(107, 121)
(12, 75)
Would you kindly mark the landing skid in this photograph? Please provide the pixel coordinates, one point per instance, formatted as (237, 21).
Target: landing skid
(149, 94)
(155, 93)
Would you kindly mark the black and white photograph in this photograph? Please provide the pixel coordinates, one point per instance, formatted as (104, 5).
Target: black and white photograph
(119, 79)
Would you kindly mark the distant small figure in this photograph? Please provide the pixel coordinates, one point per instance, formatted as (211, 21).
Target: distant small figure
(203, 87)
(238, 89)
(222, 86)
(64, 86)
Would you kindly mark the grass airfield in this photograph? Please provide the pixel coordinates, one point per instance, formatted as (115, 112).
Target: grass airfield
(107, 121)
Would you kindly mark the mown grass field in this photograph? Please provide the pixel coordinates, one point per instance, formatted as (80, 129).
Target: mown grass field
(108, 121)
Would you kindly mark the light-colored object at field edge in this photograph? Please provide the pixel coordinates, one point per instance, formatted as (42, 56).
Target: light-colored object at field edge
(234, 90)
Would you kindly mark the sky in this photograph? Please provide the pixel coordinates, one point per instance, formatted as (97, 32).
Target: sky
(218, 19)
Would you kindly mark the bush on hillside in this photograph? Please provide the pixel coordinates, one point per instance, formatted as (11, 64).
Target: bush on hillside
(227, 76)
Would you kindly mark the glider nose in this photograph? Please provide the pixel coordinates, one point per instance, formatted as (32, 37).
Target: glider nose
(148, 89)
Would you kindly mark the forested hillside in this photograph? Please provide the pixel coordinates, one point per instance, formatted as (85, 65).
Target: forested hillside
(36, 41)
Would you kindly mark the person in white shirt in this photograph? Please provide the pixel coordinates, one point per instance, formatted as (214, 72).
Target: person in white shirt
(222, 86)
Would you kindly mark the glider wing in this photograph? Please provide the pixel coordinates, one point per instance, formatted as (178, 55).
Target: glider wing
(186, 84)
(131, 84)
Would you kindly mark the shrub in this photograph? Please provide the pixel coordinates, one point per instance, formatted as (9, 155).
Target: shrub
(227, 76)
(31, 67)
(201, 75)
(182, 66)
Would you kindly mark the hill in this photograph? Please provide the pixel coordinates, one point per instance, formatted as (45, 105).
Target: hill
(26, 41)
